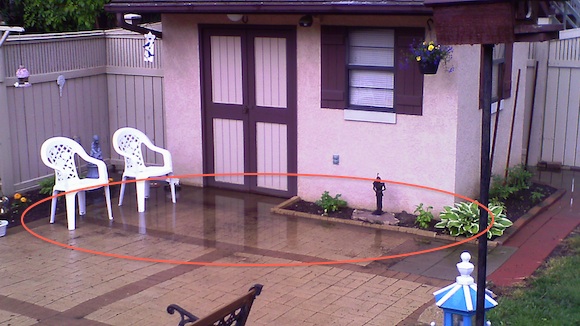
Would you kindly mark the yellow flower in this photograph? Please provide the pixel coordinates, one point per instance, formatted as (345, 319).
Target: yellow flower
(110, 179)
(23, 199)
(418, 58)
(430, 47)
(17, 196)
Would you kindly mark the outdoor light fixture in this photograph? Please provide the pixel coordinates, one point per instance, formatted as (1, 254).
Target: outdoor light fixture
(132, 19)
(305, 21)
(238, 17)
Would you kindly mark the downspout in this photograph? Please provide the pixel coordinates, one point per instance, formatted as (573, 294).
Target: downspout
(136, 28)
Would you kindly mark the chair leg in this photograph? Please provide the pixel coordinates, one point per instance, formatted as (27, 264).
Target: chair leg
(147, 188)
(140, 185)
(82, 196)
(122, 193)
(172, 183)
(53, 205)
(172, 186)
(71, 210)
(108, 199)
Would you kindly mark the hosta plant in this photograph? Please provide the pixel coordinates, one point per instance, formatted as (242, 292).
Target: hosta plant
(463, 219)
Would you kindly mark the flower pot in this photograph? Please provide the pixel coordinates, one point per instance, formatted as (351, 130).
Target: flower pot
(3, 226)
(428, 68)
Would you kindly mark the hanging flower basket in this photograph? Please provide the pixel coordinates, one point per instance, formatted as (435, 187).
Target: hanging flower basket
(428, 55)
(428, 68)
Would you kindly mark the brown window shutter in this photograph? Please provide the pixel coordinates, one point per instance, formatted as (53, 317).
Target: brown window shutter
(408, 79)
(333, 52)
(507, 71)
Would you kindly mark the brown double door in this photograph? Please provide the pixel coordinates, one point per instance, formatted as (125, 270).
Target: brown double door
(249, 105)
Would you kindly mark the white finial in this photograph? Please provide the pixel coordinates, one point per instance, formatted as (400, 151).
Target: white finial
(465, 269)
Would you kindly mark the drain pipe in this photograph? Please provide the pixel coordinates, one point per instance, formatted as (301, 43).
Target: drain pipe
(136, 28)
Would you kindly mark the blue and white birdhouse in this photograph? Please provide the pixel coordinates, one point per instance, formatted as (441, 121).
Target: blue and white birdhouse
(458, 300)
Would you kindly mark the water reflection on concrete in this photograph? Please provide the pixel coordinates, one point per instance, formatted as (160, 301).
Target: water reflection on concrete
(207, 218)
(213, 218)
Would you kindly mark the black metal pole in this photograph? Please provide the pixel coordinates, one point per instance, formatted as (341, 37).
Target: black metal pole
(485, 103)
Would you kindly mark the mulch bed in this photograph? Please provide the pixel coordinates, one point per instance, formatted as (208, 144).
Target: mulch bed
(516, 206)
(42, 210)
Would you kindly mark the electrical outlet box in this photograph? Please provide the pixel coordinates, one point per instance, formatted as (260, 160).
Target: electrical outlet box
(335, 159)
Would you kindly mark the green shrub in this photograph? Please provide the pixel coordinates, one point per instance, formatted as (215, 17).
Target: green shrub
(463, 219)
(537, 196)
(329, 203)
(424, 216)
(499, 190)
(46, 186)
(518, 178)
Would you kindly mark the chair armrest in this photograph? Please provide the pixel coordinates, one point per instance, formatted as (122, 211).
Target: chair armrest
(167, 160)
(101, 165)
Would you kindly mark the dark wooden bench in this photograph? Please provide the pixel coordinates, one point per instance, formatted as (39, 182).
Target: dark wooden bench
(235, 312)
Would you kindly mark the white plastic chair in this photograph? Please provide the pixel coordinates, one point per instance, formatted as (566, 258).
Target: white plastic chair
(58, 153)
(127, 142)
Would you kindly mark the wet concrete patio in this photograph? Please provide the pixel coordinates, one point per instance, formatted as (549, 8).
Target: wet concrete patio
(46, 284)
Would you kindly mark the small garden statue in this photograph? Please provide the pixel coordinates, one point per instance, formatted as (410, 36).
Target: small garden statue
(379, 187)
(95, 153)
(4, 205)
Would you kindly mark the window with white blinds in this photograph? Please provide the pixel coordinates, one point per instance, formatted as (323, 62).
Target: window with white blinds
(371, 74)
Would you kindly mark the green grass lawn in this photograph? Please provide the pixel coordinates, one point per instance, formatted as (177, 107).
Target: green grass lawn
(552, 297)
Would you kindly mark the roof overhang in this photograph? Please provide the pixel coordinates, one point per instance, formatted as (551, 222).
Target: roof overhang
(490, 22)
(387, 7)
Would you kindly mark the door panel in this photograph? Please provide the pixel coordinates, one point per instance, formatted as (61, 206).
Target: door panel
(228, 138)
(250, 107)
(226, 69)
(272, 154)
(271, 87)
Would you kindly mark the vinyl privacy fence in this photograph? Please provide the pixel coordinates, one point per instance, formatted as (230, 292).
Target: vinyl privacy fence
(553, 102)
(107, 85)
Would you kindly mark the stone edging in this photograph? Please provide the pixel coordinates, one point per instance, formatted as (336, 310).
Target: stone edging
(524, 219)
(424, 233)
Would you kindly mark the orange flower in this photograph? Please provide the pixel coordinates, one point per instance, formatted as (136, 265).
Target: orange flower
(17, 196)
(23, 199)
